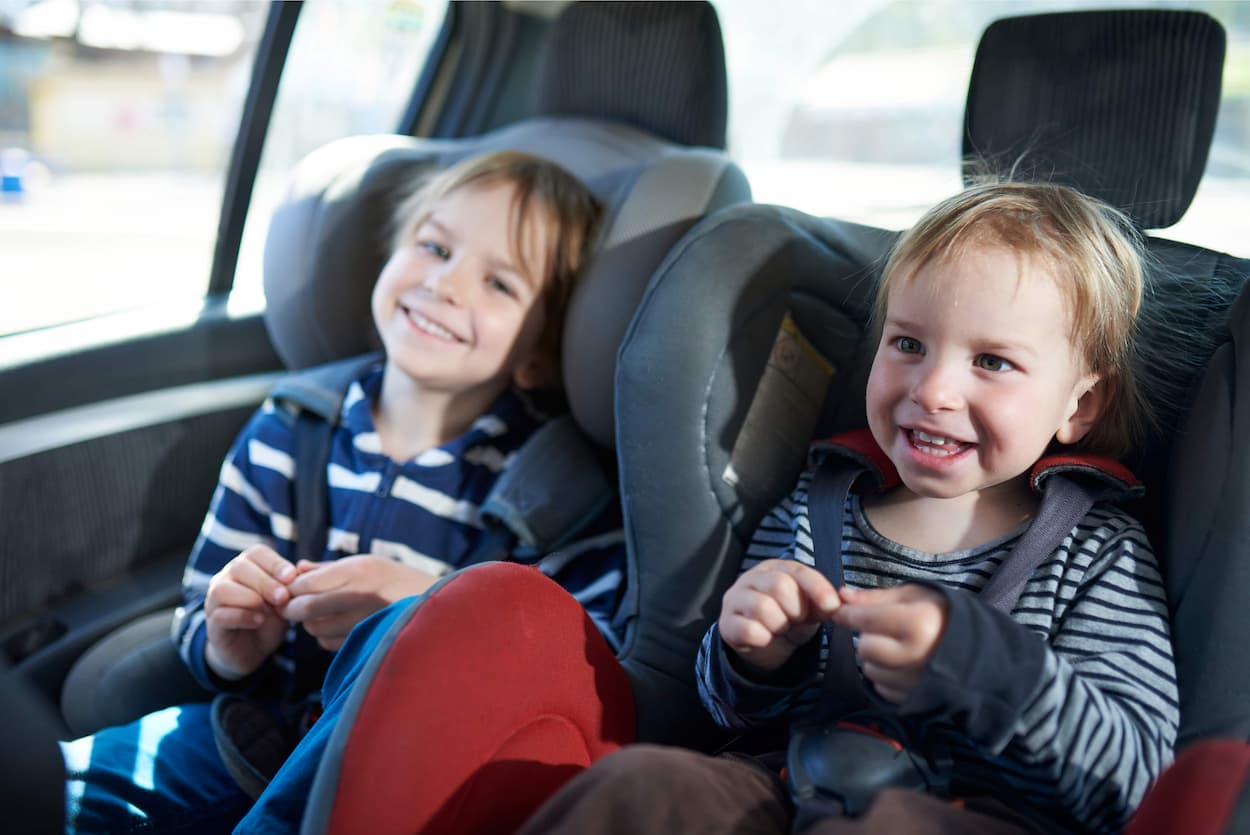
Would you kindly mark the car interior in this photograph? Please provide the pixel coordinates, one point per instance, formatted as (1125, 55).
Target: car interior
(752, 268)
(712, 339)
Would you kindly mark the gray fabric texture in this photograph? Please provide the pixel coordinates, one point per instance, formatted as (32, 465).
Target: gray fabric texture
(1120, 104)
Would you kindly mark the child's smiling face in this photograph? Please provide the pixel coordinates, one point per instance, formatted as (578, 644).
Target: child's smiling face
(457, 307)
(975, 374)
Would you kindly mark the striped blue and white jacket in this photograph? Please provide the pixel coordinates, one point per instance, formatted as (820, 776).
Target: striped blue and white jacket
(1067, 714)
(422, 512)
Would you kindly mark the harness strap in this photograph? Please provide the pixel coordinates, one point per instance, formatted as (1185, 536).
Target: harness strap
(1072, 486)
(843, 688)
(312, 440)
(1064, 505)
(318, 394)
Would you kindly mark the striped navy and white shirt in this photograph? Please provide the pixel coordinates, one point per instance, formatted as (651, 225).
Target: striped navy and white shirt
(1086, 739)
(423, 512)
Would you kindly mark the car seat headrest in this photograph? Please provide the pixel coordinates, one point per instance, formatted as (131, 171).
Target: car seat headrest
(328, 238)
(1119, 104)
(656, 66)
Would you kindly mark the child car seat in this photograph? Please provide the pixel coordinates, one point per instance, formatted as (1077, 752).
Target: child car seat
(327, 242)
(713, 422)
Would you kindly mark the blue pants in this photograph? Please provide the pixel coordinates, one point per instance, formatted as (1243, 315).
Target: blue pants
(280, 809)
(158, 774)
(162, 773)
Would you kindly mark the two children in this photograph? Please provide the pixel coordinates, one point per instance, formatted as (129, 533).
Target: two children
(1006, 321)
(470, 309)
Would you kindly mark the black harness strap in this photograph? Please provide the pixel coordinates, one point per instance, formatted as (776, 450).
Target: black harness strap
(318, 395)
(1065, 502)
(844, 690)
(313, 435)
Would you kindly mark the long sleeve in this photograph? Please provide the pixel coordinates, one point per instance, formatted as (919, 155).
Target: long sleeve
(733, 700)
(1085, 721)
(1068, 706)
(251, 506)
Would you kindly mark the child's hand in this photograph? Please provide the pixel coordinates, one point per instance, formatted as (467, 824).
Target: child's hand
(773, 609)
(898, 630)
(332, 597)
(241, 608)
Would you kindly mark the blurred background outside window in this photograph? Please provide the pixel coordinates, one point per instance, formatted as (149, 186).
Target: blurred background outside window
(854, 109)
(117, 122)
(118, 117)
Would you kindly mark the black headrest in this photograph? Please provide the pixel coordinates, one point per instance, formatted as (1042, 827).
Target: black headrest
(655, 66)
(1119, 104)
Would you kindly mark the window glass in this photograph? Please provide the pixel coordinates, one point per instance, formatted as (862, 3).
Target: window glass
(116, 123)
(351, 70)
(857, 112)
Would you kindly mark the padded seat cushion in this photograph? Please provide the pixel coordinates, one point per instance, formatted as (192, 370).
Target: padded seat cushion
(473, 747)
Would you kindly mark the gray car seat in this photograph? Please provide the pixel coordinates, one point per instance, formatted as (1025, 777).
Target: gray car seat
(1135, 129)
(1120, 104)
(752, 338)
(635, 149)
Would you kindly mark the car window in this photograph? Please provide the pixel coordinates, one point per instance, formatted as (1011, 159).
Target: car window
(351, 70)
(857, 113)
(117, 122)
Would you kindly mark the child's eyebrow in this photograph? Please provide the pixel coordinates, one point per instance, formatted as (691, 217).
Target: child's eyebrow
(995, 345)
(903, 324)
(437, 224)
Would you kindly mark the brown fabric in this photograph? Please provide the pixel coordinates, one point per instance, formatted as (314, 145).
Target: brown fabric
(902, 810)
(649, 788)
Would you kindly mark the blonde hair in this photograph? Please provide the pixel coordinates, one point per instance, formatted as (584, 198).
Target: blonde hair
(1095, 255)
(571, 212)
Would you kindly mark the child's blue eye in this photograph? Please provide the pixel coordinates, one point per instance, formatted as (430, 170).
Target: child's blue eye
(991, 362)
(499, 285)
(435, 249)
(909, 345)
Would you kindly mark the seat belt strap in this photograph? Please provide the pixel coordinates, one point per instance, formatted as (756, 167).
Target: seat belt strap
(313, 437)
(843, 687)
(1065, 502)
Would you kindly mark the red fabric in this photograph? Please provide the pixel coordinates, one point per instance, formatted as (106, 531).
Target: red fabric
(1109, 468)
(496, 692)
(862, 446)
(1198, 794)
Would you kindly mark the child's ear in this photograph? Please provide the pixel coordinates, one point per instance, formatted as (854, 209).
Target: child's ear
(537, 373)
(1090, 399)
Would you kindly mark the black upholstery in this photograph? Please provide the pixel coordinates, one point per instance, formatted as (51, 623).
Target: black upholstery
(657, 66)
(32, 770)
(1120, 104)
(1207, 548)
(683, 393)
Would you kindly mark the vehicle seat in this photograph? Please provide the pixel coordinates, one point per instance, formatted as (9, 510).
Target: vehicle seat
(327, 242)
(713, 421)
(1135, 130)
(1039, 105)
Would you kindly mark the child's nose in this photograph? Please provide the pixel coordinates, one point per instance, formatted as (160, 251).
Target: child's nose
(936, 389)
(446, 282)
